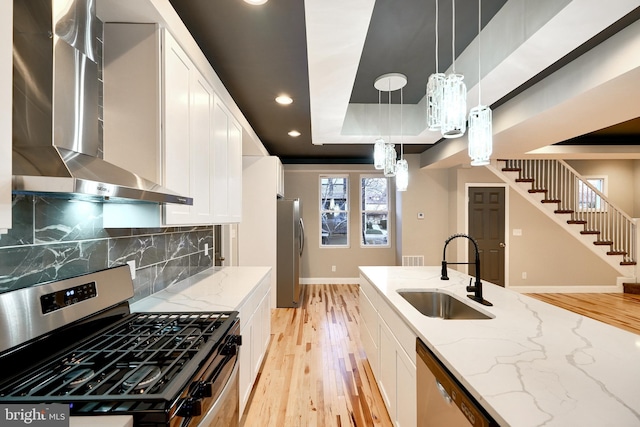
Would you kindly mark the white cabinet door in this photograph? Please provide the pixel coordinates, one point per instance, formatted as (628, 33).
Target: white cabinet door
(227, 191)
(201, 144)
(6, 79)
(176, 77)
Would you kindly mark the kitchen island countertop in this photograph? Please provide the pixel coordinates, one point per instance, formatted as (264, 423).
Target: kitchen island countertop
(532, 364)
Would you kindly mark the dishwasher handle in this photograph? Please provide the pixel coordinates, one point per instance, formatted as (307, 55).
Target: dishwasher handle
(443, 392)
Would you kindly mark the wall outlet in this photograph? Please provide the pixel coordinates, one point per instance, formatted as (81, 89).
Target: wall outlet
(206, 248)
(517, 232)
(333, 268)
(524, 274)
(420, 215)
(132, 267)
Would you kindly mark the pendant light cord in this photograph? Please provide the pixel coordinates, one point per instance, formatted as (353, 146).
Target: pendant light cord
(453, 34)
(437, 68)
(401, 139)
(379, 114)
(479, 51)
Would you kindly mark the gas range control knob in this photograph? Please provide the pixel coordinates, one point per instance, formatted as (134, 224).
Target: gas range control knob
(203, 389)
(230, 347)
(190, 407)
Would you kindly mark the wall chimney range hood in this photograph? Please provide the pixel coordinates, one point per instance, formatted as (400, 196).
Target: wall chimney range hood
(57, 133)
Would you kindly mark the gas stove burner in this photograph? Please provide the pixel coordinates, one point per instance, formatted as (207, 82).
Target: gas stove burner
(189, 335)
(79, 377)
(141, 377)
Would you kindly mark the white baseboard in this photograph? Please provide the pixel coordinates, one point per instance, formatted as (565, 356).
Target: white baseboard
(329, 280)
(611, 289)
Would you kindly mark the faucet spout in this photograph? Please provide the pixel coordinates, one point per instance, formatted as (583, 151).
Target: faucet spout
(476, 288)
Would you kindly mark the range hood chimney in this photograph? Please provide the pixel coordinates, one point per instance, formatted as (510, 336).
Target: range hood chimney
(57, 147)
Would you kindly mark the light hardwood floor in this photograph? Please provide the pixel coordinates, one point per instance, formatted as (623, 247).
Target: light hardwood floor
(621, 310)
(315, 372)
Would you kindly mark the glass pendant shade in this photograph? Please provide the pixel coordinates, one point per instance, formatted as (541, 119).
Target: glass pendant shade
(402, 175)
(390, 160)
(480, 135)
(435, 93)
(454, 107)
(379, 153)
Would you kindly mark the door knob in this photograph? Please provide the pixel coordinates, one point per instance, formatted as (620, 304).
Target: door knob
(502, 245)
(221, 258)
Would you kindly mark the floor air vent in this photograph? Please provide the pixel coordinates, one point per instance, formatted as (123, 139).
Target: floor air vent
(413, 260)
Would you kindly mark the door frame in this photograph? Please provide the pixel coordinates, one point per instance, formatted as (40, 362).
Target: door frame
(462, 248)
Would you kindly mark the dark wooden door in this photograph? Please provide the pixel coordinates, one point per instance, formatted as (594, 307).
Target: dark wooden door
(486, 225)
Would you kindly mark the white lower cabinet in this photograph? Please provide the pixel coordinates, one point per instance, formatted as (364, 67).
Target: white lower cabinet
(255, 328)
(389, 344)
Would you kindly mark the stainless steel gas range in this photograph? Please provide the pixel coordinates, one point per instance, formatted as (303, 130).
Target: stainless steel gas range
(75, 342)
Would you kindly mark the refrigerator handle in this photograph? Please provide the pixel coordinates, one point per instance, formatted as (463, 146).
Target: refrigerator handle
(301, 236)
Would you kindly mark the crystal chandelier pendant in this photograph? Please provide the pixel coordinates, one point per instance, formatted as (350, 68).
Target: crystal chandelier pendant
(454, 107)
(402, 175)
(379, 153)
(435, 94)
(480, 135)
(390, 160)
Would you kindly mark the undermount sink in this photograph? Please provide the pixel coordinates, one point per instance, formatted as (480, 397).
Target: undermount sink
(435, 303)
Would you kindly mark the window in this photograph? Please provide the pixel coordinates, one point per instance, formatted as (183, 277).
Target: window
(587, 198)
(334, 211)
(374, 196)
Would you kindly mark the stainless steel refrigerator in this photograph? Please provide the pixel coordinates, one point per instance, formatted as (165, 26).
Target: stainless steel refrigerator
(290, 248)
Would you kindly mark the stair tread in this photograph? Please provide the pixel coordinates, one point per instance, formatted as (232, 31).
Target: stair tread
(551, 201)
(563, 211)
(589, 232)
(628, 263)
(576, 221)
(603, 243)
(537, 190)
(511, 169)
(525, 180)
(616, 253)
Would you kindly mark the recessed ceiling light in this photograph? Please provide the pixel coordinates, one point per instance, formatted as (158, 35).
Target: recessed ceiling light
(294, 133)
(284, 99)
(256, 2)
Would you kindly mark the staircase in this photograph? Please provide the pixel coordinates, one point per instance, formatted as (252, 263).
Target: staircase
(574, 203)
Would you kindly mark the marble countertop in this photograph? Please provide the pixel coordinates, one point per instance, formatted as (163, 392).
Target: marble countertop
(216, 289)
(533, 364)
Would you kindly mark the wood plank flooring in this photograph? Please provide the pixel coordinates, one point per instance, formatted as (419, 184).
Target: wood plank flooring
(621, 310)
(315, 372)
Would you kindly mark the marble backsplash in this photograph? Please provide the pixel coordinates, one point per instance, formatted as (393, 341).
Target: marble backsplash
(53, 239)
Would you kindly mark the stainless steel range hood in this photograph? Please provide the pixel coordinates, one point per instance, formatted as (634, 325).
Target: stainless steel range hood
(57, 147)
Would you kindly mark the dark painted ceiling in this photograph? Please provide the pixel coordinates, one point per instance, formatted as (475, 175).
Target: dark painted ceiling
(260, 52)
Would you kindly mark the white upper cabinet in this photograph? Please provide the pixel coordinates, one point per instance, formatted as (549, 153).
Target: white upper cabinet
(6, 79)
(188, 101)
(227, 190)
(164, 122)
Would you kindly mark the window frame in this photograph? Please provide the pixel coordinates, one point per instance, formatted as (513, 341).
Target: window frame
(346, 210)
(582, 201)
(363, 211)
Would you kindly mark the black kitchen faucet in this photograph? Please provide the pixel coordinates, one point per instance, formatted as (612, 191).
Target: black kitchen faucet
(477, 287)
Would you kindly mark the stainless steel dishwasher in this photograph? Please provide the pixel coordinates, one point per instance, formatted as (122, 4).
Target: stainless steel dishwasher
(442, 401)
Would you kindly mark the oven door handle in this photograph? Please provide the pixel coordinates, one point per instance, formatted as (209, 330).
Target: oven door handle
(228, 389)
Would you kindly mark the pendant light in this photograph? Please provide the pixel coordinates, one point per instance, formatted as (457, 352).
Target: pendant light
(402, 168)
(454, 104)
(480, 121)
(379, 151)
(435, 88)
(390, 149)
(390, 83)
